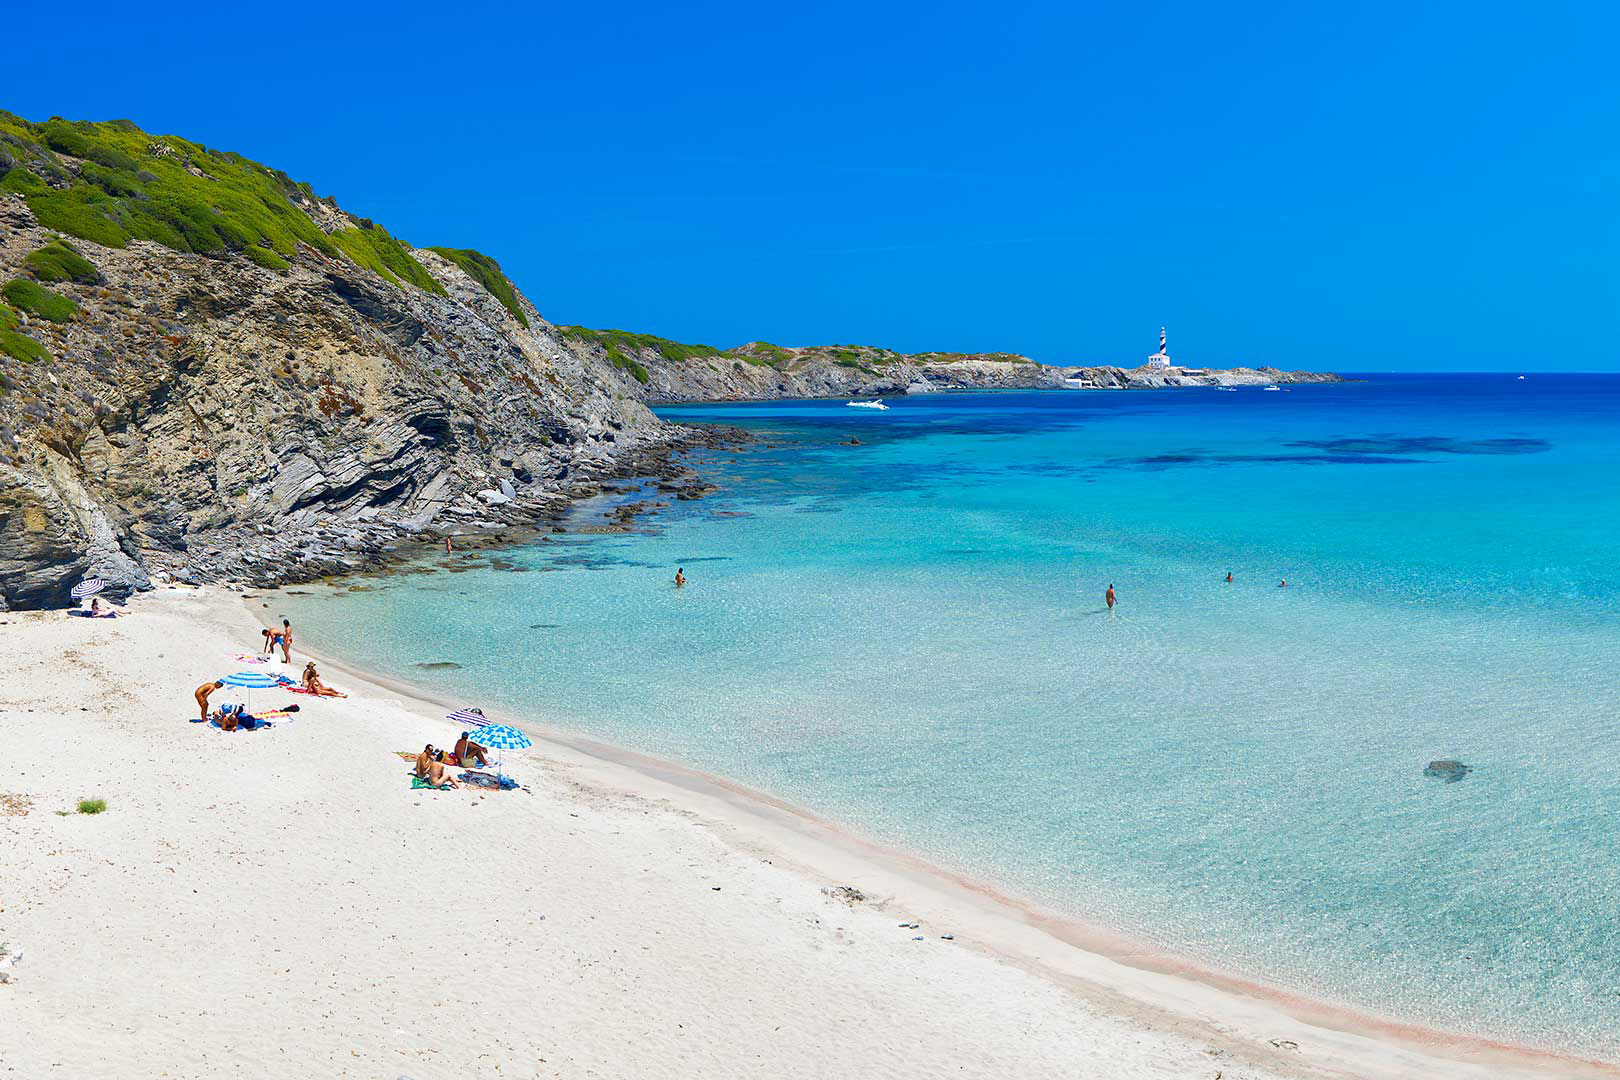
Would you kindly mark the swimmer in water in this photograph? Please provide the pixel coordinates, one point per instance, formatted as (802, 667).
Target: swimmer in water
(1229, 577)
(1283, 584)
(680, 576)
(1108, 596)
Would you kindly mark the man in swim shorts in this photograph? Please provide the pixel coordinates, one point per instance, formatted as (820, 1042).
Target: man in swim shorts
(468, 751)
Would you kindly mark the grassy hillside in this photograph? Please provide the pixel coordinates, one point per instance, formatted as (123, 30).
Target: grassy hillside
(627, 350)
(111, 183)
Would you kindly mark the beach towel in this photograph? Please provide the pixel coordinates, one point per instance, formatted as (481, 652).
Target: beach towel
(300, 690)
(256, 724)
(488, 782)
(418, 782)
(249, 658)
(450, 760)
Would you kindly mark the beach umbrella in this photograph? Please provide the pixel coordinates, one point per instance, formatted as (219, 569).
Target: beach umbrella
(88, 587)
(250, 681)
(501, 737)
(469, 717)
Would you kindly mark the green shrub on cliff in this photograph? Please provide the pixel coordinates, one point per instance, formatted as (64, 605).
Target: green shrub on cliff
(266, 258)
(58, 261)
(22, 347)
(112, 183)
(763, 352)
(36, 299)
(487, 272)
(371, 246)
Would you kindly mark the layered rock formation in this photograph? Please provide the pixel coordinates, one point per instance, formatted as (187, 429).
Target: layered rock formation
(230, 416)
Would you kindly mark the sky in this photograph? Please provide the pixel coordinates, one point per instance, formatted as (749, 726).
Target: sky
(1359, 187)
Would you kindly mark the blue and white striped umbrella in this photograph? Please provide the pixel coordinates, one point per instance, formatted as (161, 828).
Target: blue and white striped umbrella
(502, 737)
(469, 717)
(88, 587)
(252, 680)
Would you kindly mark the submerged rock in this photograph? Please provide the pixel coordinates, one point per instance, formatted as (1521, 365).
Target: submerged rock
(439, 665)
(1447, 770)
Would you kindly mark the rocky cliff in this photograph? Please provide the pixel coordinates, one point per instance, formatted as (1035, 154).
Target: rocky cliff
(269, 407)
(665, 372)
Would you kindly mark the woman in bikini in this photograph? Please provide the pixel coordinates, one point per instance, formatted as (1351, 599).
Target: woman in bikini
(312, 682)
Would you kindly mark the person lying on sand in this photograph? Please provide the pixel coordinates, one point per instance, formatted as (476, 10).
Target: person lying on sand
(202, 697)
(433, 771)
(467, 752)
(230, 717)
(99, 612)
(312, 682)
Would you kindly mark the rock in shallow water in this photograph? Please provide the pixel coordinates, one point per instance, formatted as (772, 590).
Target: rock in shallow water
(1449, 771)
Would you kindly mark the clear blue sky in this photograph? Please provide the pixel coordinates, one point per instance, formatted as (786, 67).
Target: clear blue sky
(1363, 187)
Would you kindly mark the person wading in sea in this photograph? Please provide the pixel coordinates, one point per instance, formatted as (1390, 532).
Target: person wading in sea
(1229, 577)
(1109, 596)
(680, 576)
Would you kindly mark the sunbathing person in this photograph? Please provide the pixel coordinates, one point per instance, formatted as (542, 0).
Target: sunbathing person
(312, 683)
(229, 717)
(433, 771)
(202, 697)
(99, 612)
(467, 752)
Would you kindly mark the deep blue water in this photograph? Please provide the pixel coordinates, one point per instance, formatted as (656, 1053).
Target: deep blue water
(909, 636)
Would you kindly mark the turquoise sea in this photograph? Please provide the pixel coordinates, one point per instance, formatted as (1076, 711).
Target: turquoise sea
(908, 636)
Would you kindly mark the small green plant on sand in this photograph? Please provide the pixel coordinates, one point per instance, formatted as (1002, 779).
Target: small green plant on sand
(92, 806)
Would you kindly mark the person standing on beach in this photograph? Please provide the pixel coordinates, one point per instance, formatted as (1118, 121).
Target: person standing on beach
(680, 576)
(1108, 596)
(202, 697)
(286, 641)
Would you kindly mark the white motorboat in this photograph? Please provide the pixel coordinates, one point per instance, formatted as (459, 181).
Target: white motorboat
(876, 404)
(1271, 388)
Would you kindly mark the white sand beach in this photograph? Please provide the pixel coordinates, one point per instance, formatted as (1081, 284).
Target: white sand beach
(283, 904)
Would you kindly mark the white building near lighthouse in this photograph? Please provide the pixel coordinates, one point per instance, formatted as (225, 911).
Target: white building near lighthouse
(1161, 359)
